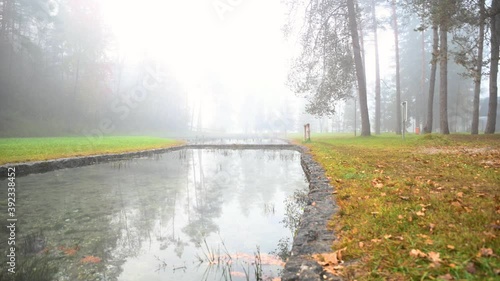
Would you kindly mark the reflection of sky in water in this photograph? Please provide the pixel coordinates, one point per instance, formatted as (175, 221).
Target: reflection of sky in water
(144, 213)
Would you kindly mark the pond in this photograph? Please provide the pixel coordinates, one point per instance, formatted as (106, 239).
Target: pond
(192, 214)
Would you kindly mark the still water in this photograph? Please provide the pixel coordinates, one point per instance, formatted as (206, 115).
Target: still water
(185, 215)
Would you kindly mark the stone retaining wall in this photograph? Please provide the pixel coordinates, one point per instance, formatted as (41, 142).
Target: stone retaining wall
(313, 235)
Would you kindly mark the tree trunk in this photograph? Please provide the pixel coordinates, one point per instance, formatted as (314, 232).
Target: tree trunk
(492, 105)
(2, 22)
(443, 79)
(398, 75)
(360, 73)
(420, 97)
(377, 72)
(478, 70)
(432, 79)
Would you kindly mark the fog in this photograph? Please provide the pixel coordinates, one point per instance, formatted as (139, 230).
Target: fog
(177, 68)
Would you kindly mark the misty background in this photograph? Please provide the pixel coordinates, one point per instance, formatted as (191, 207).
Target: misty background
(114, 67)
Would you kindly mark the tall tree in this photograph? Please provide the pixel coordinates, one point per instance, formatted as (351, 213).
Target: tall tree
(422, 82)
(495, 52)
(398, 76)
(432, 80)
(377, 70)
(360, 71)
(443, 77)
(478, 71)
(469, 39)
(330, 60)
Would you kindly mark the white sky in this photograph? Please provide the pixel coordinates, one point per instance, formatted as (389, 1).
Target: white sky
(241, 43)
(244, 45)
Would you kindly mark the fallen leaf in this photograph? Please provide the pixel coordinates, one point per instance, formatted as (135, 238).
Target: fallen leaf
(456, 204)
(434, 257)
(489, 234)
(376, 240)
(361, 244)
(451, 247)
(431, 227)
(417, 253)
(329, 259)
(388, 236)
(400, 217)
(485, 252)
(446, 277)
(429, 242)
(90, 259)
(434, 265)
(420, 214)
(460, 194)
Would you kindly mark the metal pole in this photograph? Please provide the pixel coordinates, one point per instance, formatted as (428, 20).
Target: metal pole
(404, 107)
(355, 115)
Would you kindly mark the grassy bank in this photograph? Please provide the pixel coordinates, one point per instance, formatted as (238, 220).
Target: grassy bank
(426, 208)
(14, 150)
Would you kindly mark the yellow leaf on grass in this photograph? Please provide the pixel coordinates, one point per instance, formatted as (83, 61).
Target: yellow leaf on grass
(420, 214)
(451, 247)
(434, 257)
(417, 253)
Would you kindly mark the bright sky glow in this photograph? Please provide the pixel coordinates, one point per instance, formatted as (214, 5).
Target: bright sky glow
(239, 42)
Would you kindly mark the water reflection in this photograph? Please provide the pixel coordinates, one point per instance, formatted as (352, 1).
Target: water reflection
(152, 218)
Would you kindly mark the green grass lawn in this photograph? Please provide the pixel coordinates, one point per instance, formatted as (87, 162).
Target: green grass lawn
(421, 209)
(14, 150)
